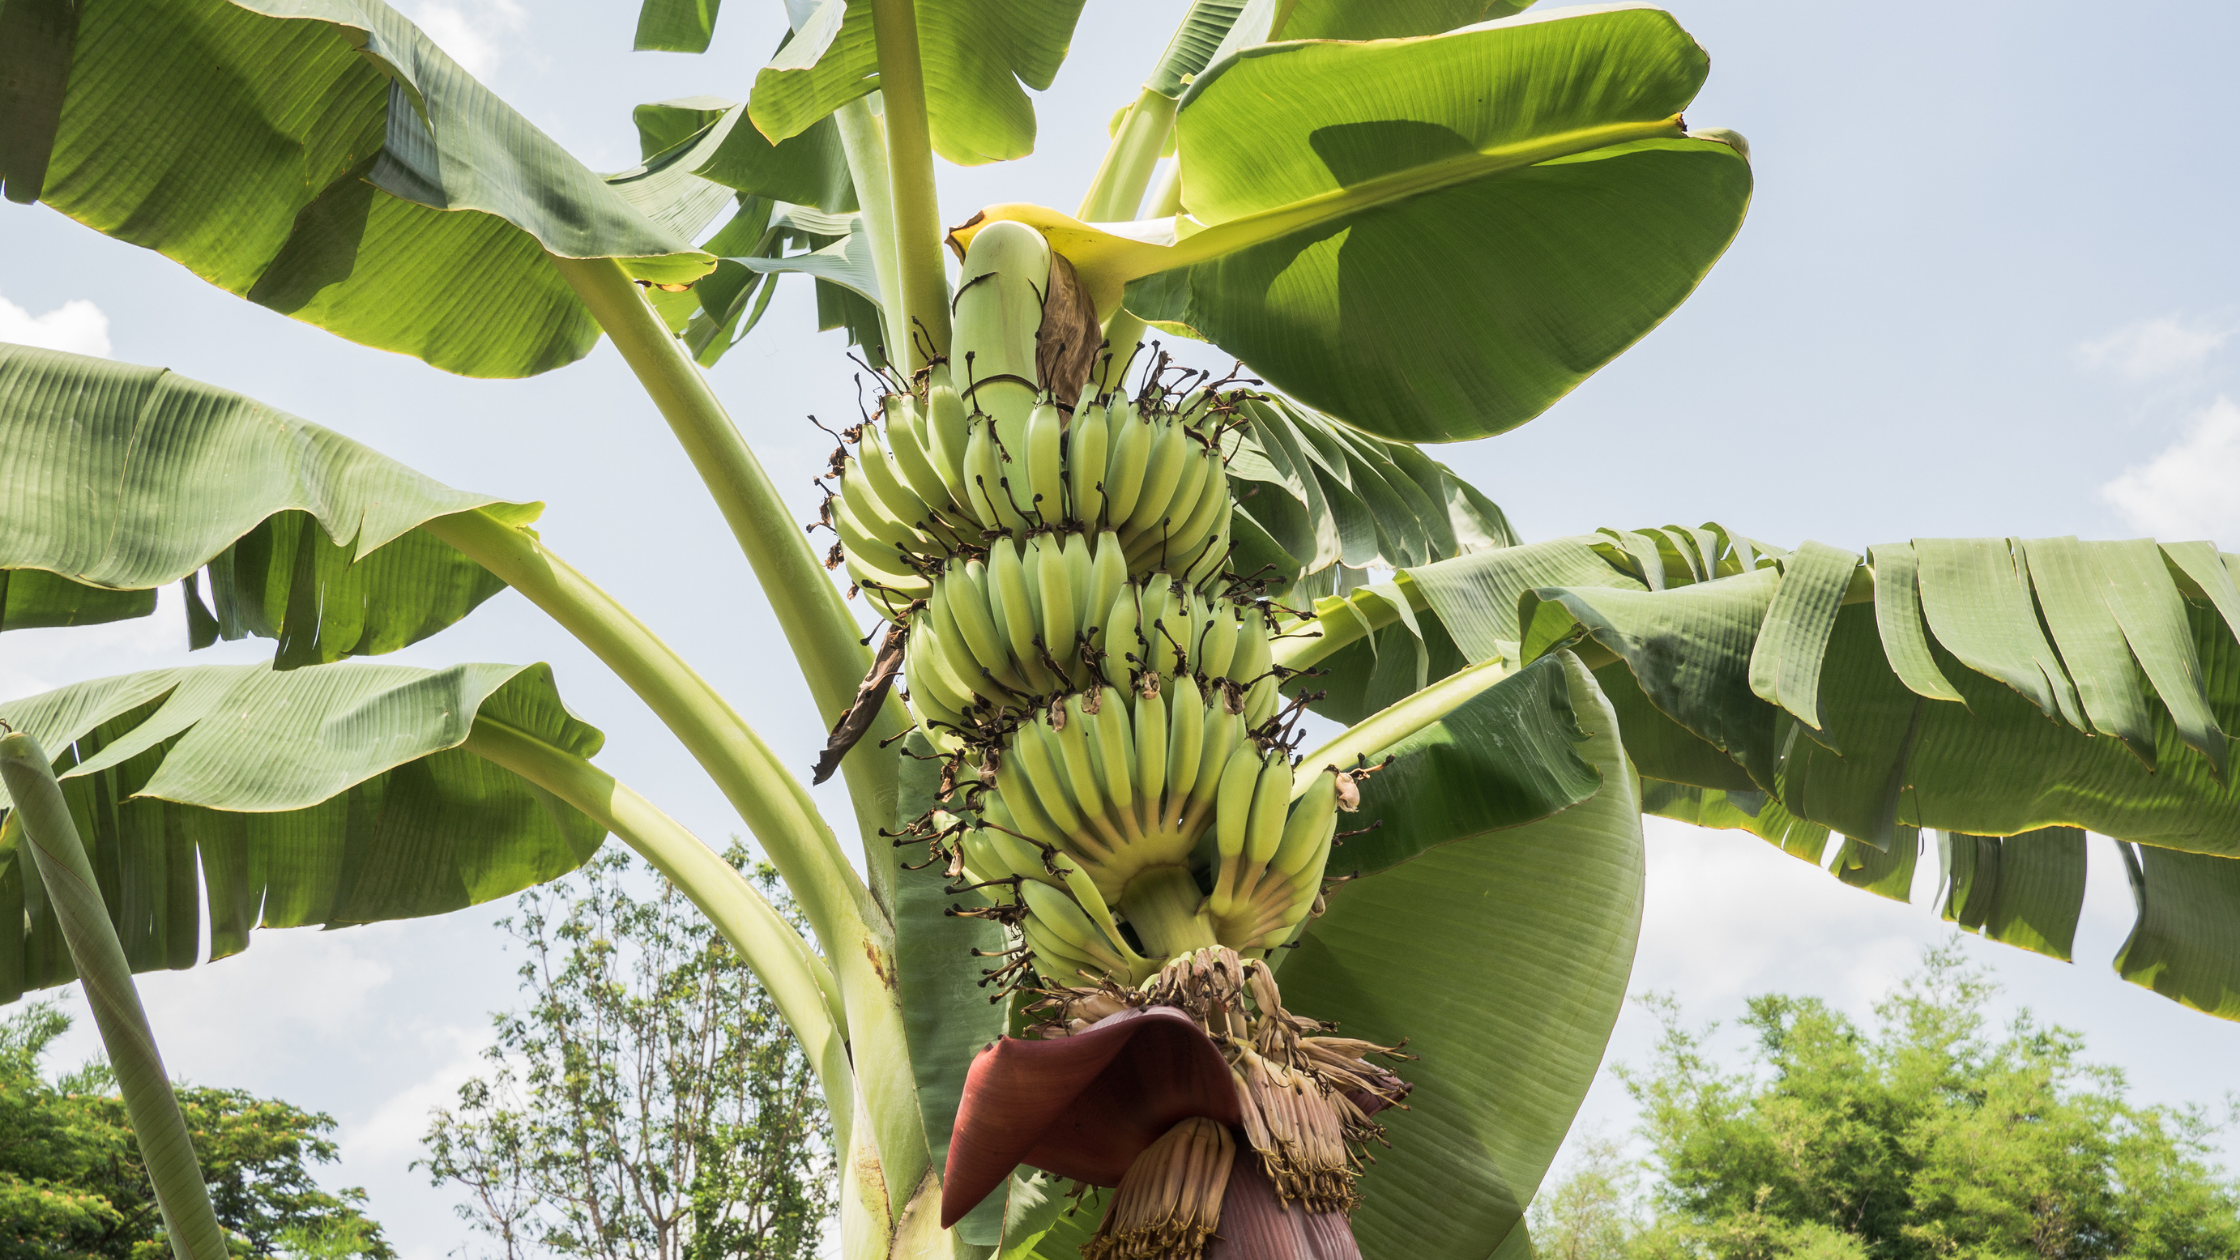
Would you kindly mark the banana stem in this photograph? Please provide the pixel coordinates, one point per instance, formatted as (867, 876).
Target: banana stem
(42, 817)
(1128, 160)
(1166, 908)
(858, 941)
(1123, 332)
(797, 980)
(825, 639)
(1331, 630)
(924, 316)
(1390, 725)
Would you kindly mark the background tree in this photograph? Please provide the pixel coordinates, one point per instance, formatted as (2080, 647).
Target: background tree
(72, 1185)
(1593, 1213)
(647, 1103)
(1924, 1136)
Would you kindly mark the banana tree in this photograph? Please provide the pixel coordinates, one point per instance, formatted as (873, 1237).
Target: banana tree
(1114, 924)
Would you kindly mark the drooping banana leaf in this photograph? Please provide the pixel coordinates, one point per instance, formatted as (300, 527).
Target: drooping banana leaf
(325, 796)
(119, 479)
(979, 60)
(325, 159)
(1980, 687)
(2186, 943)
(1313, 494)
(809, 169)
(1389, 19)
(675, 25)
(1503, 960)
(1431, 239)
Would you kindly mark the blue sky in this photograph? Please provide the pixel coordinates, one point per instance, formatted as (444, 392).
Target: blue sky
(1986, 287)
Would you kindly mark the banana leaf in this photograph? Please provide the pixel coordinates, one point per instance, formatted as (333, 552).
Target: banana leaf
(326, 797)
(1503, 960)
(1313, 494)
(1984, 688)
(120, 479)
(1431, 239)
(979, 60)
(325, 159)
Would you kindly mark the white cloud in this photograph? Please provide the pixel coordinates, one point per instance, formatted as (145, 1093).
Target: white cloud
(391, 1134)
(477, 33)
(2191, 489)
(77, 326)
(2156, 347)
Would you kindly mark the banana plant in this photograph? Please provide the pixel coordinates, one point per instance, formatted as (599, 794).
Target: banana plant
(1124, 967)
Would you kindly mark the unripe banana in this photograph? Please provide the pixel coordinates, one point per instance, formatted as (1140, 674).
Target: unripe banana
(1121, 638)
(1112, 750)
(956, 658)
(1160, 543)
(1026, 810)
(906, 443)
(931, 711)
(1163, 469)
(871, 514)
(1054, 958)
(1086, 443)
(983, 475)
(1045, 460)
(1038, 764)
(946, 428)
(1271, 801)
(1129, 442)
(954, 693)
(1186, 732)
(1151, 754)
(1260, 701)
(1064, 920)
(1108, 573)
(982, 865)
(1223, 732)
(881, 479)
(1213, 553)
(1185, 546)
(1081, 773)
(1055, 584)
(1233, 800)
(1014, 855)
(1217, 643)
(1312, 821)
(960, 598)
(1007, 583)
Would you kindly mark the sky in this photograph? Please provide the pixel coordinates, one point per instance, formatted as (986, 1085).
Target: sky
(1986, 287)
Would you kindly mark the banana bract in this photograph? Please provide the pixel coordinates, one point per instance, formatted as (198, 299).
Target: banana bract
(1119, 780)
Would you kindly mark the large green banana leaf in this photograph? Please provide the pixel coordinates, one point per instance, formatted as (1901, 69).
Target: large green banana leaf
(809, 169)
(976, 57)
(1432, 239)
(1503, 960)
(1388, 19)
(1980, 687)
(120, 479)
(323, 158)
(321, 796)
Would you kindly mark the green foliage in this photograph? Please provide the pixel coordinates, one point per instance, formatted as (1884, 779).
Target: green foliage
(72, 1186)
(1926, 1136)
(647, 1102)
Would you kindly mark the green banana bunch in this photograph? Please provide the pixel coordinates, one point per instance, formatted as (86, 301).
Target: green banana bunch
(1054, 613)
(1104, 796)
(994, 441)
